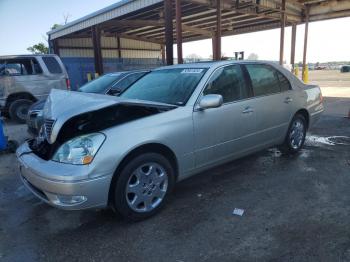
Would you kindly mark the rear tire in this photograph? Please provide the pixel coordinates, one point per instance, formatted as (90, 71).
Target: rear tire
(18, 110)
(296, 134)
(143, 186)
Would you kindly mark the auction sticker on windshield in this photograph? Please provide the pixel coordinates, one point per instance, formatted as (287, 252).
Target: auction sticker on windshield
(192, 71)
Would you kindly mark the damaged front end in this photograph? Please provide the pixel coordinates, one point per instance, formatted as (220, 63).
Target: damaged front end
(85, 114)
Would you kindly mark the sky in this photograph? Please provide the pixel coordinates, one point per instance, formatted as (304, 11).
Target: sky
(25, 22)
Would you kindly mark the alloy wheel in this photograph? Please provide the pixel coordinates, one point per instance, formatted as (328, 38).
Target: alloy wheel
(146, 187)
(297, 133)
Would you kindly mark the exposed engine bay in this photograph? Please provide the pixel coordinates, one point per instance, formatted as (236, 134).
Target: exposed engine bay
(94, 121)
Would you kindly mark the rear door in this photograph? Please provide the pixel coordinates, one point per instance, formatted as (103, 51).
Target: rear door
(6, 81)
(54, 74)
(25, 74)
(273, 102)
(221, 133)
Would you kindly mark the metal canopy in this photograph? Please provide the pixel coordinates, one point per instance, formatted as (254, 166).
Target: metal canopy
(166, 22)
(199, 18)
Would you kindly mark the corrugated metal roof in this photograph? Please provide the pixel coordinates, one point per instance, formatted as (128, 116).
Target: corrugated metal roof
(110, 12)
(143, 20)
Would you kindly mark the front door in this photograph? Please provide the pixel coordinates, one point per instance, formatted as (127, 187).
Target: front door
(220, 133)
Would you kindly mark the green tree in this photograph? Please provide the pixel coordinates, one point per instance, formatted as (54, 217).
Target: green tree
(55, 26)
(39, 48)
(42, 48)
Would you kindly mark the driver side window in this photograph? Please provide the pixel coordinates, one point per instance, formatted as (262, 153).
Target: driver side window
(229, 83)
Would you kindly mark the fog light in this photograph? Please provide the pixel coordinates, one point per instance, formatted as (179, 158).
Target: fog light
(71, 200)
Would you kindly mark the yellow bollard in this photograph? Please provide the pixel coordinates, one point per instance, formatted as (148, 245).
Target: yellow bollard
(306, 74)
(96, 75)
(88, 75)
(296, 71)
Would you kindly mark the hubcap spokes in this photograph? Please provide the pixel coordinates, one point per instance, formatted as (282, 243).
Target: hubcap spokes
(297, 134)
(146, 187)
(22, 112)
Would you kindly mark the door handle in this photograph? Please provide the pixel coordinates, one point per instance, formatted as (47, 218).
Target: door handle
(288, 100)
(248, 110)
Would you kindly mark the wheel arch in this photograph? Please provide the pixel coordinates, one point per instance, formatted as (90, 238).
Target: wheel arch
(146, 148)
(19, 95)
(305, 114)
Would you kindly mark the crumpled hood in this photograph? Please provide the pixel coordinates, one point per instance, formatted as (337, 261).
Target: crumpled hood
(62, 105)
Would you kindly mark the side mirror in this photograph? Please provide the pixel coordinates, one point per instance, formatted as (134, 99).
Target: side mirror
(210, 101)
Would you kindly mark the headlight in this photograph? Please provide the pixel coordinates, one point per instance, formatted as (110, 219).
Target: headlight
(79, 150)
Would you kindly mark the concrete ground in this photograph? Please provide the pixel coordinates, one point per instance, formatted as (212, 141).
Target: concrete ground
(296, 208)
(332, 82)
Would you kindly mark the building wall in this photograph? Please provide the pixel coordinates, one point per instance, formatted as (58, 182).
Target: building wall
(78, 56)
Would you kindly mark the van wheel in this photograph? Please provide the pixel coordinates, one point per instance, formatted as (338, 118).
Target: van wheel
(18, 110)
(296, 134)
(143, 186)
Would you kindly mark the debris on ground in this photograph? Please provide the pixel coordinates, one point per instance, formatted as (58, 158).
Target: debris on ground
(238, 212)
(275, 152)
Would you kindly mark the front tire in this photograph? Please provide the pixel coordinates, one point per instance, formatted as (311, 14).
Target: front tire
(18, 110)
(143, 186)
(296, 134)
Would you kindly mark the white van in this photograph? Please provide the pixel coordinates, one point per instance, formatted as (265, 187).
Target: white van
(25, 79)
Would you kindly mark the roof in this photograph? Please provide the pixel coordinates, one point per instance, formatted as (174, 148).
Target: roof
(144, 19)
(110, 12)
(215, 64)
(23, 56)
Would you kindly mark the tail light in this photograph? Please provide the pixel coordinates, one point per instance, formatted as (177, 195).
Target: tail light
(68, 83)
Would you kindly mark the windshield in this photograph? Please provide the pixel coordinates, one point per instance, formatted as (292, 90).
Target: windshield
(100, 85)
(170, 86)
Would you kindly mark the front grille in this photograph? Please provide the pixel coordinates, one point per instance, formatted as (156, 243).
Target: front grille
(48, 125)
(42, 148)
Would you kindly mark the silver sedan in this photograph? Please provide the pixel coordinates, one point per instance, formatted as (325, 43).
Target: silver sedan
(127, 152)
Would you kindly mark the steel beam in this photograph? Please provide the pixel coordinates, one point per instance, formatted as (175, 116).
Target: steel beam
(169, 40)
(132, 23)
(140, 38)
(196, 30)
(96, 43)
(56, 49)
(329, 7)
(230, 5)
(305, 37)
(217, 35)
(338, 14)
(178, 31)
(119, 47)
(162, 49)
(283, 24)
(292, 51)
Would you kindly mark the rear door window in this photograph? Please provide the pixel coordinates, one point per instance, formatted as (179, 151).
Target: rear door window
(52, 65)
(264, 79)
(20, 66)
(284, 82)
(228, 82)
